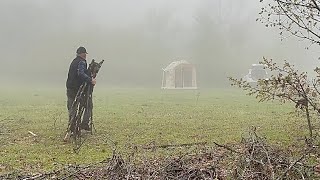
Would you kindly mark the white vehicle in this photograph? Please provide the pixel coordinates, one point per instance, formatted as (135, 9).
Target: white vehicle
(256, 73)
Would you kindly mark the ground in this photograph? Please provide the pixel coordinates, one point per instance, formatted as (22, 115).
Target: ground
(129, 117)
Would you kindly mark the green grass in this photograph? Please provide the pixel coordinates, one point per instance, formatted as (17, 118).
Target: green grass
(132, 116)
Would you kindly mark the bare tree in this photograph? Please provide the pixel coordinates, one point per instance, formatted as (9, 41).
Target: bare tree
(299, 18)
(286, 85)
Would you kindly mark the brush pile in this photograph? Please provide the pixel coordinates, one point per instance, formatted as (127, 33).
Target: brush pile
(253, 158)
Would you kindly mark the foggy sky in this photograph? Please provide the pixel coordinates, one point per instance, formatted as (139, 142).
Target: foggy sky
(138, 38)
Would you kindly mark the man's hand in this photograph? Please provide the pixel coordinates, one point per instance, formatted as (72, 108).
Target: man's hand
(94, 81)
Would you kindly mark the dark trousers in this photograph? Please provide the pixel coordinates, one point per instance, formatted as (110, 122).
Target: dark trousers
(71, 95)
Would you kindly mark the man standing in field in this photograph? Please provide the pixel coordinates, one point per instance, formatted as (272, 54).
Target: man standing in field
(78, 73)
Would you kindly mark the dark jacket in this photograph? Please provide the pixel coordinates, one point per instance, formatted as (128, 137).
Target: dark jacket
(78, 73)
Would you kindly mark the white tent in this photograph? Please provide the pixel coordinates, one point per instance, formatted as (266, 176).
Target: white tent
(179, 75)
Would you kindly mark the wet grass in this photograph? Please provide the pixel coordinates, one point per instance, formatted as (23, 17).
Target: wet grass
(132, 116)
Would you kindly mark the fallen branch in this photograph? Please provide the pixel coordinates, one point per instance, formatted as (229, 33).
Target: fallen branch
(226, 147)
(33, 134)
(293, 164)
(173, 145)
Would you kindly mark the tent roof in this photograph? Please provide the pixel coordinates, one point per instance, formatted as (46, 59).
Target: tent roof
(174, 64)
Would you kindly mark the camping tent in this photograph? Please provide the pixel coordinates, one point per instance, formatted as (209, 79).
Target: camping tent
(179, 75)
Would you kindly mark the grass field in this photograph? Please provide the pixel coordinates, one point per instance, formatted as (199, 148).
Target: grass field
(132, 116)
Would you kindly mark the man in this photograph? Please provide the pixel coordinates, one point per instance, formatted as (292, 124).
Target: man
(77, 75)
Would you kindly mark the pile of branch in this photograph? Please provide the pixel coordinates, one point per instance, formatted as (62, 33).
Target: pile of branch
(253, 158)
(202, 165)
(259, 160)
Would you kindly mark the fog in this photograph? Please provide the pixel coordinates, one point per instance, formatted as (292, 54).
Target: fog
(137, 39)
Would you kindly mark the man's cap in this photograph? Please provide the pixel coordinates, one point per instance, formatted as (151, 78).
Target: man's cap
(81, 50)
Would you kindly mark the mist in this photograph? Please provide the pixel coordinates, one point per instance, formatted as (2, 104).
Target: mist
(137, 39)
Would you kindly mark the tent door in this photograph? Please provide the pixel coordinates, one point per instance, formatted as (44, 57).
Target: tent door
(187, 77)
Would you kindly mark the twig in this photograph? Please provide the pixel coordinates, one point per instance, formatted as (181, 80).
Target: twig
(226, 147)
(173, 145)
(293, 164)
(33, 134)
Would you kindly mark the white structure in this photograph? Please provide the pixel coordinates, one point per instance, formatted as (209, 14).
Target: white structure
(179, 75)
(256, 73)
